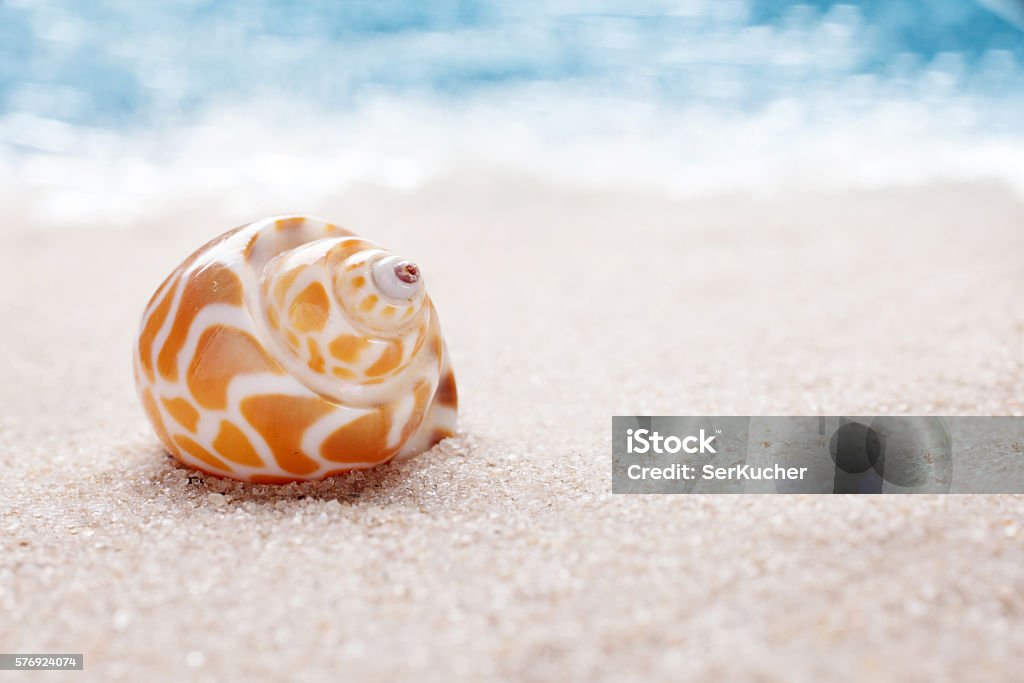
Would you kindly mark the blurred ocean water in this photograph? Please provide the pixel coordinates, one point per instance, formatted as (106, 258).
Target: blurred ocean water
(108, 104)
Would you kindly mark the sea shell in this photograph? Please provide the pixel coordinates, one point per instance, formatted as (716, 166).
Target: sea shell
(290, 349)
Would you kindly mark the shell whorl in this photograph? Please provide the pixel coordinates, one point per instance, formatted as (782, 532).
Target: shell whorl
(316, 305)
(293, 327)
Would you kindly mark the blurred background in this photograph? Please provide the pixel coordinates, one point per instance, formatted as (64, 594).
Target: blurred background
(108, 107)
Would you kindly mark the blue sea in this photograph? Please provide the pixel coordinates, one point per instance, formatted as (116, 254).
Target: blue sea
(106, 105)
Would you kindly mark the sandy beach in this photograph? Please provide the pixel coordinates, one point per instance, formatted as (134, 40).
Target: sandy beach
(502, 554)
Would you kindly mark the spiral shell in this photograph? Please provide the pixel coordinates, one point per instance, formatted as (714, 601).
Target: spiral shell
(290, 349)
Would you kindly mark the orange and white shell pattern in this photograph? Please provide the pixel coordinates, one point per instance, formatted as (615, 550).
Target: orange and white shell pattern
(290, 349)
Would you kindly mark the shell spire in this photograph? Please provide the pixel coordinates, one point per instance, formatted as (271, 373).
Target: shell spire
(291, 349)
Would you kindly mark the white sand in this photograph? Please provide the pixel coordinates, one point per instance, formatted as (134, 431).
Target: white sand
(502, 553)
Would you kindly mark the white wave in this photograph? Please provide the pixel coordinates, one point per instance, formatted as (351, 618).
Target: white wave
(245, 156)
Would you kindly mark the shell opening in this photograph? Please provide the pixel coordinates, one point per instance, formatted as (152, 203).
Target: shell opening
(397, 278)
(407, 271)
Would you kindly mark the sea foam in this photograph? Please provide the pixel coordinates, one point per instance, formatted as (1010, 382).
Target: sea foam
(109, 111)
